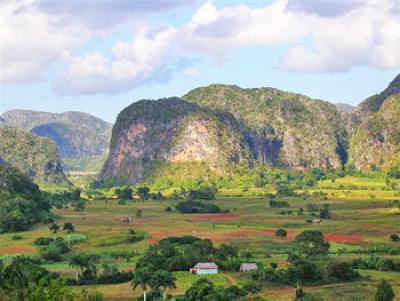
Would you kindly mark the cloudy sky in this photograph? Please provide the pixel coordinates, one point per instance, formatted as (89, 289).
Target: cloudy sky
(99, 56)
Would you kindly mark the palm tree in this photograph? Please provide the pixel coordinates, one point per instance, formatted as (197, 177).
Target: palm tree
(69, 228)
(162, 280)
(142, 278)
(54, 228)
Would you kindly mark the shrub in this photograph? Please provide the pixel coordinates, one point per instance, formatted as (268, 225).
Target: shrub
(43, 241)
(281, 233)
(197, 207)
(395, 237)
(278, 204)
(342, 271)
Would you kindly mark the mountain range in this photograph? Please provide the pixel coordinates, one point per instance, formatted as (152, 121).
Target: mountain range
(218, 127)
(75, 133)
(223, 125)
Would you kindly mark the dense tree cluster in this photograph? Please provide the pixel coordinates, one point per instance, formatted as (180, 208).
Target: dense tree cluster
(21, 203)
(197, 207)
(25, 279)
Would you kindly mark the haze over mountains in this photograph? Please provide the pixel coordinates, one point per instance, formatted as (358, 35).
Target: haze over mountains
(75, 133)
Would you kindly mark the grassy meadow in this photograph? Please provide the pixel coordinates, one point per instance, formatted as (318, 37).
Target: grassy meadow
(364, 213)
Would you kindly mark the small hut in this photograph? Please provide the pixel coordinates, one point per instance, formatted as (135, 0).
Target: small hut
(204, 268)
(248, 267)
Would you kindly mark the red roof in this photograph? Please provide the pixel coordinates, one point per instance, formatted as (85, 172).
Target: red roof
(205, 266)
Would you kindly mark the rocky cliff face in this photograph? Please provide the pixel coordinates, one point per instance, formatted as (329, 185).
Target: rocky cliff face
(75, 133)
(222, 125)
(149, 133)
(288, 129)
(375, 140)
(35, 156)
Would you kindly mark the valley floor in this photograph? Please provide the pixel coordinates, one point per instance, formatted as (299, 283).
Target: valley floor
(361, 218)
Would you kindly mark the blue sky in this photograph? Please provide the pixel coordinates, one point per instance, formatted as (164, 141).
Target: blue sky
(99, 56)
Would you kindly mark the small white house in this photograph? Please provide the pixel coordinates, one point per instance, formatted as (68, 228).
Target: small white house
(204, 268)
(248, 267)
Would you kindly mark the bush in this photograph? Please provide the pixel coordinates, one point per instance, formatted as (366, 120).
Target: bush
(202, 193)
(281, 233)
(252, 286)
(17, 237)
(278, 204)
(18, 215)
(43, 241)
(342, 271)
(395, 237)
(197, 207)
(54, 251)
(136, 236)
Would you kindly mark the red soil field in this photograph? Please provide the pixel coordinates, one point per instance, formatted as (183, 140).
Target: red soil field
(345, 238)
(214, 217)
(16, 250)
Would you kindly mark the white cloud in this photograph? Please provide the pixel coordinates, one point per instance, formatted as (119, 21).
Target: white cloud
(131, 65)
(217, 33)
(30, 42)
(322, 36)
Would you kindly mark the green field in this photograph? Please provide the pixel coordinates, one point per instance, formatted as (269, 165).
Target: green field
(358, 221)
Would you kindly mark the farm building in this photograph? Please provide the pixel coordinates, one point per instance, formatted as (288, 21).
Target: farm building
(316, 221)
(247, 267)
(204, 268)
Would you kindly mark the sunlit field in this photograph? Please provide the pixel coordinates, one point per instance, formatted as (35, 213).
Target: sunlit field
(359, 221)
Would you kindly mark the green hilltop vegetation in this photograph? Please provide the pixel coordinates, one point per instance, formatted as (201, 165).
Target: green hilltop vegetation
(150, 133)
(375, 144)
(226, 129)
(302, 132)
(34, 156)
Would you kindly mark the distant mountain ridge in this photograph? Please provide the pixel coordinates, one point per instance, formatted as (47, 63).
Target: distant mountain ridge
(345, 108)
(75, 133)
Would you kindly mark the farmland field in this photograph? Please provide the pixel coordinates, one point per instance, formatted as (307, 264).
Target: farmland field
(356, 224)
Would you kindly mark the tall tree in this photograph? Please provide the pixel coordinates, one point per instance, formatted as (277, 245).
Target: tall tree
(142, 278)
(69, 228)
(163, 280)
(311, 244)
(385, 292)
(54, 228)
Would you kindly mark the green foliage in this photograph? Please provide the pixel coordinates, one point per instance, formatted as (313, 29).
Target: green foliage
(197, 207)
(34, 156)
(53, 252)
(342, 271)
(311, 244)
(278, 204)
(136, 236)
(395, 237)
(281, 233)
(204, 290)
(384, 292)
(123, 193)
(18, 215)
(86, 164)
